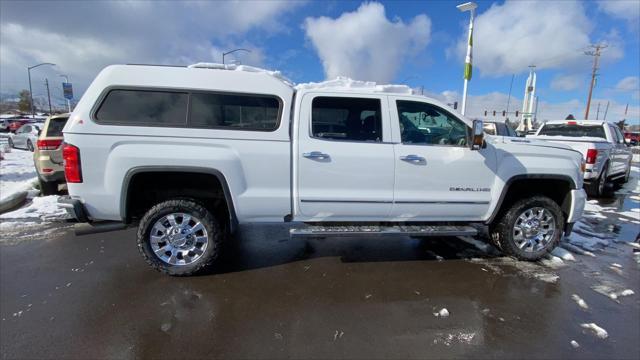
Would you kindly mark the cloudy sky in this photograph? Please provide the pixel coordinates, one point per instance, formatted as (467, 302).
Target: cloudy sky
(415, 42)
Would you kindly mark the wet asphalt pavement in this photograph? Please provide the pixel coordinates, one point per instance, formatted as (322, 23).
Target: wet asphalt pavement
(274, 297)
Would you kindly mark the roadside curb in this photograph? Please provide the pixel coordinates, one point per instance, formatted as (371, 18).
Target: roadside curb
(13, 201)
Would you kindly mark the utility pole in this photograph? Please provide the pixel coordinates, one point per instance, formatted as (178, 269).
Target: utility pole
(46, 83)
(510, 88)
(606, 110)
(596, 58)
(598, 112)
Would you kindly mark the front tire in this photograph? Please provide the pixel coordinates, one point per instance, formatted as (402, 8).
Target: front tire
(179, 237)
(11, 144)
(529, 229)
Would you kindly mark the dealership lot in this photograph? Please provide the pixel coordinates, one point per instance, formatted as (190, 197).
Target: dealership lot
(93, 297)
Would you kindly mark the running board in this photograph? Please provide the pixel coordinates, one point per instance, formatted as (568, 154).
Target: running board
(409, 230)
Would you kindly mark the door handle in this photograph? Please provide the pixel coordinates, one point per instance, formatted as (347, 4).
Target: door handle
(316, 155)
(412, 158)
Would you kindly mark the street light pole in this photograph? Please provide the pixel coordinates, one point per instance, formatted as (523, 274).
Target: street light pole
(232, 51)
(471, 7)
(33, 115)
(66, 79)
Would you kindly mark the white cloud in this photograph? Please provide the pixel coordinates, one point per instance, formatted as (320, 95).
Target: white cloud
(364, 44)
(508, 37)
(622, 9)
(567, 82)
(83, 37)
(630, 83)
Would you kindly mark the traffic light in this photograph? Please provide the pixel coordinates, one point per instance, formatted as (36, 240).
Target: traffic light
(516, 113)
(485, 113)
(455, 105)
(504, 113)
(494, 113)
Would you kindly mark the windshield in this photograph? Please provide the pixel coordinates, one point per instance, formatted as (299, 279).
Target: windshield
(572, 130)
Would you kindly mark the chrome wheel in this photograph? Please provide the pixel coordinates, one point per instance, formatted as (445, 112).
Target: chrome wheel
(534, 229)
(178, 239)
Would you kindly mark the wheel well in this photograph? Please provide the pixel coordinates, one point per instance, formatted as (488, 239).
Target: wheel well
(145, 189)
(558, 190)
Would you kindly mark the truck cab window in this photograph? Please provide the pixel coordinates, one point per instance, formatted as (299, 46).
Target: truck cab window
(346, 118)
(423, 123)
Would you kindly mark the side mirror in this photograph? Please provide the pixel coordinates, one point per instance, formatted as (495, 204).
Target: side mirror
(477, 135)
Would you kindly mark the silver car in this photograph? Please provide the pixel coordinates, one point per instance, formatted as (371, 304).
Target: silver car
(25, 137)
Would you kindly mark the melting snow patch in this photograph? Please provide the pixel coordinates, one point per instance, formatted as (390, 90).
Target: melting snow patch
(597, 330)
(575, 344)
(579, 301)
(44, 208)
(553, 262)
(577, 250)
(626, 292)
(448, 339)
(442, 313)
(17, 173)
(563, 254)
(217, 66)
(345, 83)
(610, 292)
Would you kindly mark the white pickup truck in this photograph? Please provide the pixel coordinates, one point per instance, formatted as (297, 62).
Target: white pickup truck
(188, 153)
(608, 157)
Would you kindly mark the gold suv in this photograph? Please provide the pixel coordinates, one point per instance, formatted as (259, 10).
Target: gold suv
(48, 154)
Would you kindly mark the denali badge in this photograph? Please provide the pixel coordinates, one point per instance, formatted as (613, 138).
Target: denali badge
(456, 188)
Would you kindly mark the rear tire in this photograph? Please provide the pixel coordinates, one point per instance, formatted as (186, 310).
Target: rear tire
(627, 175)
(166, 248)
(48, 187)
(514, 233)
(30, 146)
(599, 187)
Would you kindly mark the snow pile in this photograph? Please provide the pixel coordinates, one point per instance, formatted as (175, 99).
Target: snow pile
(17, 173)
(597, 330)
(234, 67)
(44, 208)
(345, 83)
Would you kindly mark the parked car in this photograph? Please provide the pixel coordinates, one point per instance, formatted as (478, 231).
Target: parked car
(15, 124)
(188, 153)
(4, 125)
(25, 137)
(632, 137)
(607, 156)
(48, 154)
(499, 128)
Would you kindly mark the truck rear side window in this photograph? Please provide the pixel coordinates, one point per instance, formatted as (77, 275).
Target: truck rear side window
(346, 118)
(242, 112)
(573, 130)
(144, 107)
